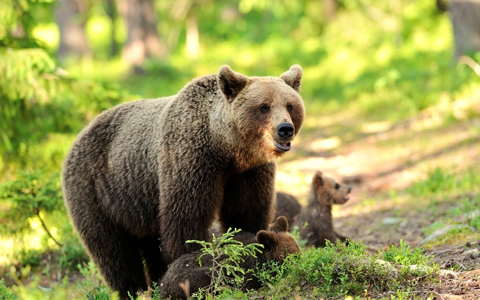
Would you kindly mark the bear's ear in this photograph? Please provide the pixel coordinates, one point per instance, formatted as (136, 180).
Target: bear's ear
(280, 225)
(230, 82)
(318, 179)
(267, 239)
(293, 77)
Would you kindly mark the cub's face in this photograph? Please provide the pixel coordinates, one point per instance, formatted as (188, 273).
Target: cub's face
(268, 111)
(278, 242)
(328, 191)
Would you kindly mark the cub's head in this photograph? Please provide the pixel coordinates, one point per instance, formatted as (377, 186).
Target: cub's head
(327, 191)
(267, 112)
(277, 241)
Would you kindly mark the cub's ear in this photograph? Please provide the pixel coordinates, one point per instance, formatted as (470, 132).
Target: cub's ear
(267, 239)
(280, 225)
(318, 179)
(230, 82)
(293, 77)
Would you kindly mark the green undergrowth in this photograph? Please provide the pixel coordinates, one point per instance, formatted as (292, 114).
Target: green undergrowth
(337, 270)
(315, 273)
(6, 293)
(454, 200)
(348, 270)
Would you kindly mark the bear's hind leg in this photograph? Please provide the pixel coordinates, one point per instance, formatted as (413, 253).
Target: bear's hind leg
(117, 255)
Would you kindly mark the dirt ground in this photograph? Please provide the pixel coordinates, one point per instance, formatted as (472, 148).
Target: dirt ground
(381, 158)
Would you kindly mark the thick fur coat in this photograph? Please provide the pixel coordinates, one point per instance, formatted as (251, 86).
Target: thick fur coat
(277, 243)
(315, 221)
(145, 176)
(288, 206)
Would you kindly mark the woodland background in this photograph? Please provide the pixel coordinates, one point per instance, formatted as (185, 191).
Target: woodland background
(370, 68)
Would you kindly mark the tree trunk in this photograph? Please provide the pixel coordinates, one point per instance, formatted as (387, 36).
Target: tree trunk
(142, 37)
(441, 5)
(71, 17)
(330, 9)
(465, 16)
(112, 14)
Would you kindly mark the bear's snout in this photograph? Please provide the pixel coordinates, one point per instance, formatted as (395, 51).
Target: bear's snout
(285, 130)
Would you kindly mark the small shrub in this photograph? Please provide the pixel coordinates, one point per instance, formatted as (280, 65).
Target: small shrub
(227, 254)
(6, 293)
(31, 195)
(99, 293)
(92, 283)
(404, 255)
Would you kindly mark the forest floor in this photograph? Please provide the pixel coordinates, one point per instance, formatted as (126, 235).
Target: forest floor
(380, 161)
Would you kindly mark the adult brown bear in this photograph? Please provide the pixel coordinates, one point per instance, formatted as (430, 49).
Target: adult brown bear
(145, 176)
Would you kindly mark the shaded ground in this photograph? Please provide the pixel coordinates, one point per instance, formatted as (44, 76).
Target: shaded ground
(379, 158)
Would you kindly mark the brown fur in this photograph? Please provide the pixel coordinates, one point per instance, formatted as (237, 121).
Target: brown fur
(318, 213)
(145, 176)
(278, 243)
(288, 206)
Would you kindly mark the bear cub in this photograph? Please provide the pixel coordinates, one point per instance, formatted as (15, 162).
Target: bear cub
(315, 220)
(324, 192)
(277, 242)
(287, 206)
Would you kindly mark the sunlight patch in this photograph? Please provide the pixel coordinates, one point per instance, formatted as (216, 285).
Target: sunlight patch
(7, 247)
(325, 144)
(376, 127)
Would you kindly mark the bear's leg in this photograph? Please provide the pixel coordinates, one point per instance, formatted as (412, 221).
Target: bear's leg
(187, 211)
(324, 236)
(116, 254)
(155, 265)
(248, 201)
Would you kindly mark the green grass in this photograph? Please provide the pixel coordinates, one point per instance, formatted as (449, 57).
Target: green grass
(340, 270)
(460, 193)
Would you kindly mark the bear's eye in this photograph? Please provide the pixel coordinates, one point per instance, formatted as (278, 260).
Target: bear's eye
(264, 109)
(289, 108)
(337, 186)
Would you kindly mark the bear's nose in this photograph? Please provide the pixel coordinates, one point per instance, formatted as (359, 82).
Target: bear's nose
(285, 130)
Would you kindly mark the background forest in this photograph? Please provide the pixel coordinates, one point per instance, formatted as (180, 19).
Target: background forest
(371, 68)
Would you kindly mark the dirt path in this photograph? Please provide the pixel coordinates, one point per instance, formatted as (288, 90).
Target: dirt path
(379, 158)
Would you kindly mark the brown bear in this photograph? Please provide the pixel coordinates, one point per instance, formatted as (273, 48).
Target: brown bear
(315, 220)
(277, 242)
(288, 206)
(145, 176)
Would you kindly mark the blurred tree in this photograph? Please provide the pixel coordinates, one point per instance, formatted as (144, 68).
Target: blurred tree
(465, 16)
(71, 17)
(142, 37)
(330, 8)
(186, 11)
(441, 5)
(38, 101)
(111, 10)
(16, 24)
(32, 194)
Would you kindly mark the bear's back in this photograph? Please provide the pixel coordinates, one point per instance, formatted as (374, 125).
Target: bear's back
(103, 154)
